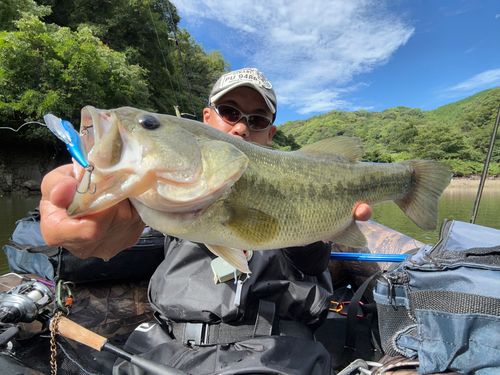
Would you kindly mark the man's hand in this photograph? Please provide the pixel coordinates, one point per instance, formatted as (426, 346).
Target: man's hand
(101, 235)
(362, 212)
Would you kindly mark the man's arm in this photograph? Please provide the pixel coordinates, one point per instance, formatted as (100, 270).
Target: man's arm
(101, 235)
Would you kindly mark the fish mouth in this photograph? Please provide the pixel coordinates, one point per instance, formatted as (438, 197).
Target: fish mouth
(94, 124)
(167, 168)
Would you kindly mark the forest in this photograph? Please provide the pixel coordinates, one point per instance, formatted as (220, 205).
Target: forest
(57, 56)
(458, 133)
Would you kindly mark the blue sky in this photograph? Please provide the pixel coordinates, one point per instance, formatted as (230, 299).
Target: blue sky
(349, 55)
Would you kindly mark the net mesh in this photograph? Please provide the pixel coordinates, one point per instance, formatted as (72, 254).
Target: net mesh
(396, 320)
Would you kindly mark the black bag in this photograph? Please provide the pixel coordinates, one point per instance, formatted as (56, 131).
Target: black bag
(28, 253)
(442, 305)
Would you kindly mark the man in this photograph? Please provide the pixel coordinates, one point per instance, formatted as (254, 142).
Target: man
(252, 324)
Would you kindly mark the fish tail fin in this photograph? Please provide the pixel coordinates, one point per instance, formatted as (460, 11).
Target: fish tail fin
(421, 203)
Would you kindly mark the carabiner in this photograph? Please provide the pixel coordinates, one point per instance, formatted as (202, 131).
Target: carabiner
(338, 307)
(344, 312)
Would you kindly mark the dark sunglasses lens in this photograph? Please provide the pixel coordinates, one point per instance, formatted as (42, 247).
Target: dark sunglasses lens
(257, 122)
(229, 114)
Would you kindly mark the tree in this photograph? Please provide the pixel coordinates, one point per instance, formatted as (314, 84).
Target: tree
(144, 31)
(284, 142)
(51, 69)
(12, 10)
(404, 137)
(440, 142)
(103, 53)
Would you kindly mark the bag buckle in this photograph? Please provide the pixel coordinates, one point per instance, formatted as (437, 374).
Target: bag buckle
(195, 334)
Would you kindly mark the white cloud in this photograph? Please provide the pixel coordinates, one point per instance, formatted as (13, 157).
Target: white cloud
(497, 16)
(479, 82)
(310, 50)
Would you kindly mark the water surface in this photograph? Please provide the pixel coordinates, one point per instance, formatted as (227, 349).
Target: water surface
(12, 208)
(456, 203)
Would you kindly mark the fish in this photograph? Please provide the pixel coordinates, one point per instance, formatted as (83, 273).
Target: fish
(197, 183)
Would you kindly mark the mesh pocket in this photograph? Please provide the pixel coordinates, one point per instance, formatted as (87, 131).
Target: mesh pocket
(395, 321)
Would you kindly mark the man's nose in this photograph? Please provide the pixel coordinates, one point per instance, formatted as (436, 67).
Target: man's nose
(241, 127)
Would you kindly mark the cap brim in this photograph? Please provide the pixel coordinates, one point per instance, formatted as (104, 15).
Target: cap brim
(213, 99)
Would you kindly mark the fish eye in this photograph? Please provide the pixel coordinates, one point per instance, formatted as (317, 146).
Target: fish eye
(149, 122)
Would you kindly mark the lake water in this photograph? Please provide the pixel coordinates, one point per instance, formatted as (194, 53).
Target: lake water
(12, 208)
(456, 203)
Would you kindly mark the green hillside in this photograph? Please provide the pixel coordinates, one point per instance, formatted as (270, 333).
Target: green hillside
(458, 133)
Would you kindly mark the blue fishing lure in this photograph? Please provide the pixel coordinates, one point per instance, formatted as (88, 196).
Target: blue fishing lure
(67, 133)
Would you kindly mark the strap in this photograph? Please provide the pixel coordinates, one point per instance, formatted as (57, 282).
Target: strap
(49, 251)
(352, 318)
(265, 319)
(205, 334)
(453, 302)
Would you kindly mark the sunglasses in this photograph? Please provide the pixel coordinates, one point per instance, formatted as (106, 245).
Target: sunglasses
(233, 115)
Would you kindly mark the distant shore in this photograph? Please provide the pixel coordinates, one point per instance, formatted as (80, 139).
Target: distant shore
(473, 180)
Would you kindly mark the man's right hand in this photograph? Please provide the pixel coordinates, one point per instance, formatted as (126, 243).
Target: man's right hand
(102, 235)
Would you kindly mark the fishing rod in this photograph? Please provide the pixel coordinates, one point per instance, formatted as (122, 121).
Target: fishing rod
(485, 169)
(181, 59)
(368, 257)
(76, 332)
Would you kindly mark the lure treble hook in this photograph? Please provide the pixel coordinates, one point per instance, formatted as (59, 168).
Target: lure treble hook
(89, 168)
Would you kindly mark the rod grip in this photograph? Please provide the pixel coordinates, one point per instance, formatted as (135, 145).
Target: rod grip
(76, 332)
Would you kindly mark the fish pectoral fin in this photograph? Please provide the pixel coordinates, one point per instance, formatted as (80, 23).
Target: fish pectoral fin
(351, 236)
(346, 147)
(234, 257)
(252, 225)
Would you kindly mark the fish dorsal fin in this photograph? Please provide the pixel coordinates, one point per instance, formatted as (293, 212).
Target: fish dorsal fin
(254, 226)
(347, 147)
(234, 257)
(351, 236)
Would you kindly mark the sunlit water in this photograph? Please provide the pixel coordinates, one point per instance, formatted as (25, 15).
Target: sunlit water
(456, 203)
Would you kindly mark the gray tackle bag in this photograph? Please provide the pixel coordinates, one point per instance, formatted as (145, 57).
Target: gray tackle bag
(442, 304)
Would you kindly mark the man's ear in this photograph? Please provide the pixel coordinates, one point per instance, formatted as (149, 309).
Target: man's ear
(206, 115)
(272, 130)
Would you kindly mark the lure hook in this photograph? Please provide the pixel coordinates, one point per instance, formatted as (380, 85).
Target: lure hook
(89, 168)
(84, 129)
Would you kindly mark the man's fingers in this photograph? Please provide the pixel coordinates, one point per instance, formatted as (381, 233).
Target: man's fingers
(363, 212)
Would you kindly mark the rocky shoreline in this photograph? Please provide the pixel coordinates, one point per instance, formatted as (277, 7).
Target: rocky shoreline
(22, 167)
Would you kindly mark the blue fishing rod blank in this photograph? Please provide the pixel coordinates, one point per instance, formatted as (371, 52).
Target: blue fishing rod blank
(368, 257)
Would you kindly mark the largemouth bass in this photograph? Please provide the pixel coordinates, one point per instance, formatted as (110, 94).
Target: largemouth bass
(195, 182)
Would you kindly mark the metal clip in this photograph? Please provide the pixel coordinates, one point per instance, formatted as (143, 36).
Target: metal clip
(338, 307)
(89, 168)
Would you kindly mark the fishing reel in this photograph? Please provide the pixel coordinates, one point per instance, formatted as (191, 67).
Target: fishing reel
(25, 302)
